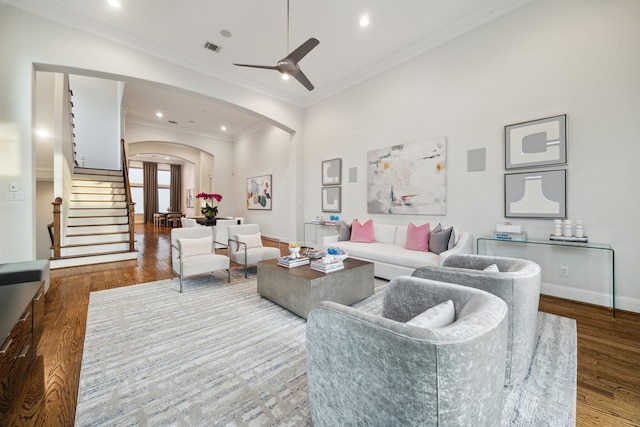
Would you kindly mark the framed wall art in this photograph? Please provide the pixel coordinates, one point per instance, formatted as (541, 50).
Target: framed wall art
(332, 172)
(540, 142)
(541, 194)
(331, 199)
(408, 178)
(189, 198)
(259, 192)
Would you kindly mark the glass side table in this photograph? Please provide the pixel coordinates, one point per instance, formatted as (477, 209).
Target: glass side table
(584, 246)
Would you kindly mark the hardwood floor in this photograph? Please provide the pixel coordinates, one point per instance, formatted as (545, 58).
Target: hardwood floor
(608, 350)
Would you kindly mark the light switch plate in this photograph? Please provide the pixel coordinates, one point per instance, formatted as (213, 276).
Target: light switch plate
(14, 196)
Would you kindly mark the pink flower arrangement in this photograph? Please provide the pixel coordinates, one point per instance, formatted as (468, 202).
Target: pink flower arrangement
(209, 196)
(209, 211)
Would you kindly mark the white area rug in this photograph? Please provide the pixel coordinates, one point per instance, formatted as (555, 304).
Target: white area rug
(222, 355)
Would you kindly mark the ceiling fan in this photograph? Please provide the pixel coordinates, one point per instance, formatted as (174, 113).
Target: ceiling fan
(289, 64)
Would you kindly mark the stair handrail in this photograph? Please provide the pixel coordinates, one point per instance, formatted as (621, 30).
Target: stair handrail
(129, 199)
(56, 227)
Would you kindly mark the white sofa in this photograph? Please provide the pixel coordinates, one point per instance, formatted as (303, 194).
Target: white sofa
(388, 254)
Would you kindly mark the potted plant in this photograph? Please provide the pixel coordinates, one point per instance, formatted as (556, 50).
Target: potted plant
(209, 211)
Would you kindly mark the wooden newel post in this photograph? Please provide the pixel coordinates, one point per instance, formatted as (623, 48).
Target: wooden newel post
(132, 225)
(56, 227)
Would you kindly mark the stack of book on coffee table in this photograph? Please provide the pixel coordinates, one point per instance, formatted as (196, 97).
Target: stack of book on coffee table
(289, 262)
(327, 264)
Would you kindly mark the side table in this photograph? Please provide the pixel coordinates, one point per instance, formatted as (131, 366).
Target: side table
(570, 245)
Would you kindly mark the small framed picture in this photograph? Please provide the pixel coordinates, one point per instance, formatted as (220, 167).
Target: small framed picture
(331, 199)
(541, 194)
(540, 142)
(332, 172)
(189, 197)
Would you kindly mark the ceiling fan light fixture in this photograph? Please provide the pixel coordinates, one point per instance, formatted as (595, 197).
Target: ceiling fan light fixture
(288, 66)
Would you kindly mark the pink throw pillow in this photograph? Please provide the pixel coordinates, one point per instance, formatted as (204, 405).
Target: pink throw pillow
(362, 232)
(418, 237)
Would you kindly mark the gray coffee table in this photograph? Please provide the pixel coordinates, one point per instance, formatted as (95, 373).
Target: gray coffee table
(299, 289)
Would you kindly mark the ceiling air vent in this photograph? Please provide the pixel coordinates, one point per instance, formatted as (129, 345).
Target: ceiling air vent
(213, 47)
(173, 122)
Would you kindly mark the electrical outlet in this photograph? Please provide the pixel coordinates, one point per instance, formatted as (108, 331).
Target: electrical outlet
(564, 271)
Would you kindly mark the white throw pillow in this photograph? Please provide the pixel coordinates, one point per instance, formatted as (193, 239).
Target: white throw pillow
(191, 247)
(251, 240)
(384, 233)
(438, 316)
(493, 268)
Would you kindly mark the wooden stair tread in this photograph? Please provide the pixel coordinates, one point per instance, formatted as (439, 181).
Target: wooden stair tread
(89, 255)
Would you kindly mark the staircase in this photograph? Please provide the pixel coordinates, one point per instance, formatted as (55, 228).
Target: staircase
(98, 223)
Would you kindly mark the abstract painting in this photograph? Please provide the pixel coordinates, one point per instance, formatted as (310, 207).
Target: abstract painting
(540, 194)
(331, 199)
(259, 192)
(189, 197)
(332, 172)
(408, 178)
(536, 143)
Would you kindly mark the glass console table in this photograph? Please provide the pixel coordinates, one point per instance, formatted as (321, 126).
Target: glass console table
(570, 245)
(317, 226)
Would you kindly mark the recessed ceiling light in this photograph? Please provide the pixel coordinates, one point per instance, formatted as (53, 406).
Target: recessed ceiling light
(115, 3)
(159, 114)
(225, 33)
(223, 128)
(364, 21)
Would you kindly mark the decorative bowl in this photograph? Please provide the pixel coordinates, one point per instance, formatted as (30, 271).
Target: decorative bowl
(337, 253)
(294, 252)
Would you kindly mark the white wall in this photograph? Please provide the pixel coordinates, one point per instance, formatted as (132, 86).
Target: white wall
(29, 43)
(267, 152)
(576, 57)
(209, 156)
(96, 106)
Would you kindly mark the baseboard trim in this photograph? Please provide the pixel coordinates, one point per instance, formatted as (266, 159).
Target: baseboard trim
(590, 297)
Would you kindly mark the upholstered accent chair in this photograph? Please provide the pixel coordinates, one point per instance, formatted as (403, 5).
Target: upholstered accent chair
(245, 246)
(192, 253)
(517, 282)
(222, 231)
(371, 369)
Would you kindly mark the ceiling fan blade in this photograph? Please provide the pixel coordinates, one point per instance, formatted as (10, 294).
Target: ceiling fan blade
(299, 76)
(265, 67)
(302, 50)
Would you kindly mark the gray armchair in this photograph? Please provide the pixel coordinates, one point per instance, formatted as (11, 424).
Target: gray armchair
(517, 283)
(245, 246)
(367, 369)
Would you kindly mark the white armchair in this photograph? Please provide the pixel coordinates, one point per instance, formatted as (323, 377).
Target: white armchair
(222, 231)
(245, 246)
(192, 253)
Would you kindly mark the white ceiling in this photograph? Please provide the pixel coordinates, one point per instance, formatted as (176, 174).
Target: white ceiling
(347, 53)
